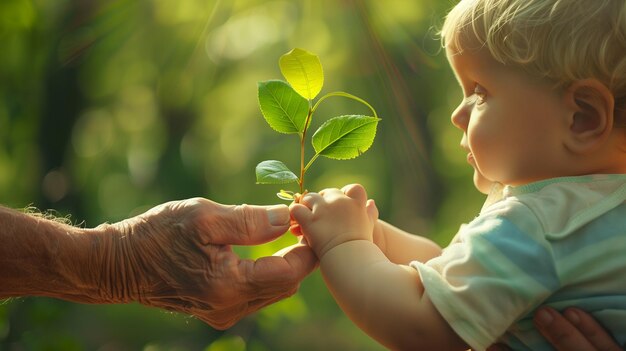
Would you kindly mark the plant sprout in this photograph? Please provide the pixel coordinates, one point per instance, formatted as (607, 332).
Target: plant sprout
(288, 107)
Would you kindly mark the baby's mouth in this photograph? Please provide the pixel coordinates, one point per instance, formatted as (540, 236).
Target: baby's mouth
(470, 158)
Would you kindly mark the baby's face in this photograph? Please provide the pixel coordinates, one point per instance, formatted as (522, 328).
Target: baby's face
(513, 126)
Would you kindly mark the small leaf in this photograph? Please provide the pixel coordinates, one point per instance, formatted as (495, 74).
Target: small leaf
(285, 195)
(345, 137)
(283, 109)
(303, 70)
(274, 172)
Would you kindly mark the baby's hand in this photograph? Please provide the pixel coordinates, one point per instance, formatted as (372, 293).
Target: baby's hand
(335, 216)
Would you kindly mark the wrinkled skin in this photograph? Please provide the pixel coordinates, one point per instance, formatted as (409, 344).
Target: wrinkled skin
(178, 256)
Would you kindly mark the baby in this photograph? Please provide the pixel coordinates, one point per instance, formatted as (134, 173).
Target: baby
(543, 118)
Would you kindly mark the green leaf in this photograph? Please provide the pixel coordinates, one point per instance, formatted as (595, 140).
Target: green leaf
(345, 137)
(283, 109)
(274, 172)
(303, 70)
(286, 195)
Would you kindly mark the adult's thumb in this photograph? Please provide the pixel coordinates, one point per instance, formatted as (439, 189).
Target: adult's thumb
(249, 224)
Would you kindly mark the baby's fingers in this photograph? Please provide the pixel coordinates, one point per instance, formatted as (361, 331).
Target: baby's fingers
(294, 227)
(355, 191)
(372, 210)
(309, 200)
(300, 212)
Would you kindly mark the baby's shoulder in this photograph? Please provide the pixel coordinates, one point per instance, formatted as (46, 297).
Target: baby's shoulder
(560, 208)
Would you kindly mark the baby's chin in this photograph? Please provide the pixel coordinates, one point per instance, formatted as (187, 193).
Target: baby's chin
(481, 183)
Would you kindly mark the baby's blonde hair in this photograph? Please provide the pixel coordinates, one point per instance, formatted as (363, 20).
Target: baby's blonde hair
(561, 40)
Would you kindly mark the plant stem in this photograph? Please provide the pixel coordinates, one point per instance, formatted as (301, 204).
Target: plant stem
(311, 162)
(303, 168)
(302, 139)
(347, 95)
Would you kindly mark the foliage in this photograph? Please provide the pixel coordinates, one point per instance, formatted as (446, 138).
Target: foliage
(289, 109)
(109, 107)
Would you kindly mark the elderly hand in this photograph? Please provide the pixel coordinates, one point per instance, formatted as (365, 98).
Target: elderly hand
(177, 256)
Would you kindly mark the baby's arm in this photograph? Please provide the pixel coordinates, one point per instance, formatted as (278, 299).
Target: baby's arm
(384, 299)
(402, 247)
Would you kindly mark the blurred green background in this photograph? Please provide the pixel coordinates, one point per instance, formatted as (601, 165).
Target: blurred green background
(109, 107)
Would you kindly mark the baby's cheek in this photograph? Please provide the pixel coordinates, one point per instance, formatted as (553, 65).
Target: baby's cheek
(486, 149)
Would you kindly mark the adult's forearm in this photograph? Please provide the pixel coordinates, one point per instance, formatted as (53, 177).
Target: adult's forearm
(42, 257)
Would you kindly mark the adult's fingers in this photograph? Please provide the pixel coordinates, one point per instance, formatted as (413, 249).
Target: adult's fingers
(591, 330)
(243, 224)
(281, 275)
(285, 250)
(300, 257)
(560, 332)
(574, 330)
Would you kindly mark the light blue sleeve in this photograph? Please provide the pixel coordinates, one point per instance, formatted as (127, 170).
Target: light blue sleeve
(499, 271)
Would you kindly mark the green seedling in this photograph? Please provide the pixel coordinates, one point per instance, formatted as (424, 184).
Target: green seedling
(288, 107)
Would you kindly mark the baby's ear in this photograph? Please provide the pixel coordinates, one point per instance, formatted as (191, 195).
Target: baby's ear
(591, 120)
